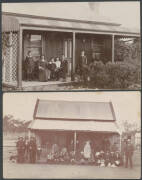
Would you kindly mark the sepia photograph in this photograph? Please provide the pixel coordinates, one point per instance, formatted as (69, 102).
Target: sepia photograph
(71, 46)
(72, 135)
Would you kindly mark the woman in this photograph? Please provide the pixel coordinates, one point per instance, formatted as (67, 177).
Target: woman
(87, 150)
(42, 69)
(58, 68)
(64, 68)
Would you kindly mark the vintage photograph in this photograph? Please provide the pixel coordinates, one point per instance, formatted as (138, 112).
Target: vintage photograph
(72, 135)
(71, 46)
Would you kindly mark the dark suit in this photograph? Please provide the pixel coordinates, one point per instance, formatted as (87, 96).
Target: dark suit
(32, 151)
(20, 151)
(129, 149)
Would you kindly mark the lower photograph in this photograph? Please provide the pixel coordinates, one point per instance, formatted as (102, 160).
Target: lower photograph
(72, 135)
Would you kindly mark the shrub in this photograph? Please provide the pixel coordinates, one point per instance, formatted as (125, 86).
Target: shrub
(120, 75)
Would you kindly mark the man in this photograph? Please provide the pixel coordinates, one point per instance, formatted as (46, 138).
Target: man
(83, 66)
(20, 150)
(26, 141)
(129, 149)
(32, 150)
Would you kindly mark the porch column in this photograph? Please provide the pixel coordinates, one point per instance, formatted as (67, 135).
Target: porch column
(29, 134)
(75, 141)
(73, 57)
(113, 48)
(19, 59)
(120, 142)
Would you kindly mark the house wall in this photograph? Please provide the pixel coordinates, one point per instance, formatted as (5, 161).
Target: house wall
(93, 45)
(46, 139)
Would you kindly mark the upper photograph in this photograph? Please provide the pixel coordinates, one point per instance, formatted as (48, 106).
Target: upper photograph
(71, 46)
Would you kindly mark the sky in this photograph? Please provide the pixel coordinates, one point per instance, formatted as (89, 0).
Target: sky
(125, 13)
(126, 104)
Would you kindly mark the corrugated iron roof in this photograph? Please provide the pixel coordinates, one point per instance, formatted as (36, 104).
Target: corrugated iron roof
(71, 24)
(46, 109)
(57, 125)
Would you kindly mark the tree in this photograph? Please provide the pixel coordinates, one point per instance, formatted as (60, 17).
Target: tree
(10, 124)
(130, 127)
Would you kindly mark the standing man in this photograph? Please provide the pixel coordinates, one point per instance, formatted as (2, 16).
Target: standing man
(32, 150)
(29, 66)
(83, 66)
(20, 150)
(129, 149)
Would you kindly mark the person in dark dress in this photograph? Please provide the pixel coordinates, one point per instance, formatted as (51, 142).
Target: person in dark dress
(29, 66)
(20, 145)
(43, 69)
(64, 68)
(36, 70)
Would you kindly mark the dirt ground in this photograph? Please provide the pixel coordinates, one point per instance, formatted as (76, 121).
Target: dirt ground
(45, 171)
(52, 171)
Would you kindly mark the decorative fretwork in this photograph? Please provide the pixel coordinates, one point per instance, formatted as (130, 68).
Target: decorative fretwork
(9, 57)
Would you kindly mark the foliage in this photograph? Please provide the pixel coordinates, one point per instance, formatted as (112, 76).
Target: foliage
(10, 124)
(127, 50)
(115, 75)
(128, 126)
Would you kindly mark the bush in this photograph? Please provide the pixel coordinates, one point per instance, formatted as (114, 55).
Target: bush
(120, 75)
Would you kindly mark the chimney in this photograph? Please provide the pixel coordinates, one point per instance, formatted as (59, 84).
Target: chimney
(94, 7)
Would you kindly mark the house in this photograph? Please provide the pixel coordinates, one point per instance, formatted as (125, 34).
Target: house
(71, 123)
(53, 37)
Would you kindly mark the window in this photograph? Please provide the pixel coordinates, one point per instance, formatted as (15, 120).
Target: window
(33, 43)
(97, 48)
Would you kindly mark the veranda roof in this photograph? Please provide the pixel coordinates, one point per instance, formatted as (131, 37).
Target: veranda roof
(74, 110)
(88, 126)
(68, 24)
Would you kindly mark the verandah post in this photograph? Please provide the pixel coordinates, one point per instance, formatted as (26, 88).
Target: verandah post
(20, 48)
(29, 133)
(75, 142)
(120, 141)
(73, 57)
(113, 48)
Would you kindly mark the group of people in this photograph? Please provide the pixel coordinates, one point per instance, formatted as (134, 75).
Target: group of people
(87, 155)
(42, 70)
(28, 151)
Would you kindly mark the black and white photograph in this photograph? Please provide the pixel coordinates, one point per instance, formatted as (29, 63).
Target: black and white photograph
(71, 46)
(72, 135)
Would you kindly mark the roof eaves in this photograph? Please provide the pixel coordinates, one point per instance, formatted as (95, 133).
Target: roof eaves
(60, 19)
